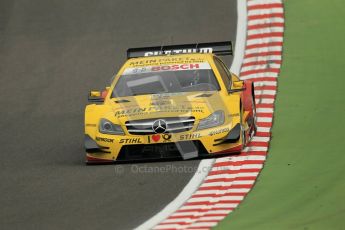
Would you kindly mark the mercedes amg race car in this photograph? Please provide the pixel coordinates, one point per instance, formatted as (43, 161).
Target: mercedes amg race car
(170, 102)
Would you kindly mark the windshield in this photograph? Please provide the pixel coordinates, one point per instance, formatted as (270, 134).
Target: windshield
(166, 79)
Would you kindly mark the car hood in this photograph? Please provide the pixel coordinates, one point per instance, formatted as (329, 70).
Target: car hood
(196, 104)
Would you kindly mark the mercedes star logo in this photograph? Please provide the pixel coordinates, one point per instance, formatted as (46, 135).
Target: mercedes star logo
(159, 126)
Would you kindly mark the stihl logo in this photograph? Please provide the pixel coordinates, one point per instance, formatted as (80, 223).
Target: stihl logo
(130, 141)
(179, 51)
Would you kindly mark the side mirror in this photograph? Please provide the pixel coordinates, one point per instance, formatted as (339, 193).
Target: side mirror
(95, 96)
(237, 86)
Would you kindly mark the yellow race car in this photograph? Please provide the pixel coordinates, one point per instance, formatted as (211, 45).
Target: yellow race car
(170, 102)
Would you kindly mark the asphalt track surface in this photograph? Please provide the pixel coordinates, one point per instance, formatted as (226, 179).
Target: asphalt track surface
(51, 54)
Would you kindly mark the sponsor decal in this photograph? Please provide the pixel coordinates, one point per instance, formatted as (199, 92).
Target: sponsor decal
(179, 51)
(215, 132)
(156, 137)
(160, 103)
(175, 67)
(158, 109)
(130, 141)
(165, 61)
(133, 111)
(159, 148)
(166, 96)
(162, 68)
(189, 136)
(166, 137)
(103, 139)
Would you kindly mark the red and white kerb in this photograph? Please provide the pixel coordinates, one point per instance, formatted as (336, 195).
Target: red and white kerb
(231, 178)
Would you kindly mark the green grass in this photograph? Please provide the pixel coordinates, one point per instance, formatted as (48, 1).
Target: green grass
(302, 185)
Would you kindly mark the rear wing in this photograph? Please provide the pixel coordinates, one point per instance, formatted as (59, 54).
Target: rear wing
(218, 48)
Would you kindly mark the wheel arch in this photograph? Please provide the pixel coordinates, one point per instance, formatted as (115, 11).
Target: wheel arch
(248, 96)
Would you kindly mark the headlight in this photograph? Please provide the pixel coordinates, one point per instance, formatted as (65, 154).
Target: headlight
(108, 127)
(215, 119)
